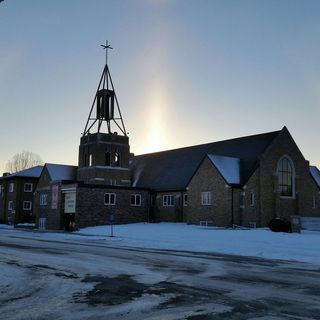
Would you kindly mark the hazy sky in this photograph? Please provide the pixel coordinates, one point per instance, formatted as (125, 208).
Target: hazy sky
(185, 71)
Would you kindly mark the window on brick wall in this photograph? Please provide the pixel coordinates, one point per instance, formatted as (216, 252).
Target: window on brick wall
(11, 187)
(109, 198)
(252, 199)
(27, 187)
(185, 199)
(27, 205)
(135, 200)
(286, 177)
(206, 198)
(10, 205)
(168, 200)
(43, 199)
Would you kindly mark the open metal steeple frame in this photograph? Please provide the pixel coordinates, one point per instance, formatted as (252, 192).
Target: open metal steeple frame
(105, 83)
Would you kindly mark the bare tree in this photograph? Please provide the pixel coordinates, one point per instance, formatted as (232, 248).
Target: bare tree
(23, 160)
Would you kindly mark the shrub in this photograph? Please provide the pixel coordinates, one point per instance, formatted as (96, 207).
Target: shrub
(280, 225)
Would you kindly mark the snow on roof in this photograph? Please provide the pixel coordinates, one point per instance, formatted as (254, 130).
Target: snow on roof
(61, 171)
(315, 174)
(228, 167)
(33, 172)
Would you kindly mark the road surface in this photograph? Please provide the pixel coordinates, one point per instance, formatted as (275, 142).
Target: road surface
(95, 279)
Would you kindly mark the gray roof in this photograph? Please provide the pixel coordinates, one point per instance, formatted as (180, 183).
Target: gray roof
(228, 167)
(173, 169)
(33, 172)
(315, 174)
(59, 172)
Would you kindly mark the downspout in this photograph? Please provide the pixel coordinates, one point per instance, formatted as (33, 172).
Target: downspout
(5, 206)
(232, 215)
(182, 206)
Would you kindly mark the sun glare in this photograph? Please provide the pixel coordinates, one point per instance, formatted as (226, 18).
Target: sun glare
(156, 122)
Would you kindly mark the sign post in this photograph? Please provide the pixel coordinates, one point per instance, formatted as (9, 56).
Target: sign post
(111, 218)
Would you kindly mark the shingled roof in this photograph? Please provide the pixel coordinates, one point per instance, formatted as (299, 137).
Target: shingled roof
(33, 172)
(173, 169)
(61, 171)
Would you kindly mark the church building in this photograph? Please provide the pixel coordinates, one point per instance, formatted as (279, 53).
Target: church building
(244, 181)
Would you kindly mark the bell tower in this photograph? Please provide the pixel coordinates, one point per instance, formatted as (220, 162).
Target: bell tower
(104, 146)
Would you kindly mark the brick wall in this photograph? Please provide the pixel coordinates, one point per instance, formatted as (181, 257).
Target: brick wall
(168, 213)
(91, 210)
(54, 217)
(207, 178)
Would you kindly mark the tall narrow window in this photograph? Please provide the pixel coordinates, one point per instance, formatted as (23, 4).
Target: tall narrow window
(11, 187)
(90, 160)
(117, 159)
(206, 198)
(185, 199)
(107, 159)
(10, 205)
(285, 176)
(168, 200)
(252, 199)
(43, 199)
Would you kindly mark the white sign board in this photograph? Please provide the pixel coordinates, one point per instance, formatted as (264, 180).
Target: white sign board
(70, 202)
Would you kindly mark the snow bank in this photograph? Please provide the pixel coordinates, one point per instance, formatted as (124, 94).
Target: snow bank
(178, 236)
(261, 243)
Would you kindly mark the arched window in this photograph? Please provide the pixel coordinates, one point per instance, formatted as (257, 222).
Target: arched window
(286, 177)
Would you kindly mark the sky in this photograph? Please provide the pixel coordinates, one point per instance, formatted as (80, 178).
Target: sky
(185, 72)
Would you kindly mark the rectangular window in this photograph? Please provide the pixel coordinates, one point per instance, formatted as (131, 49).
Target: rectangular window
(135, 200)
(252, 224)
(206, 198)
(27, 205)
(110, 199)
(43, 199)
(27, 187)
(185, 199)
(252, 199)
(11, 187)
(168, 200)
(10, 205)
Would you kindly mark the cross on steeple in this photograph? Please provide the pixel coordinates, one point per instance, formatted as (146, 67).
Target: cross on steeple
(106, 47)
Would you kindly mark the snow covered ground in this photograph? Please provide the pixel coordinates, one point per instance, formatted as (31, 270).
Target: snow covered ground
(262, 243)
(89, 275)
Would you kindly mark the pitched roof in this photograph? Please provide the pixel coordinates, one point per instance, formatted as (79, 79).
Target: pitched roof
(33, 172)
(173, 169)
(228, 167)
(315, 173)
(59, 172)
